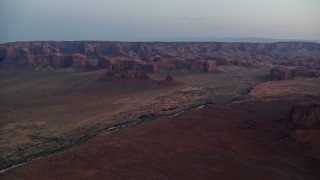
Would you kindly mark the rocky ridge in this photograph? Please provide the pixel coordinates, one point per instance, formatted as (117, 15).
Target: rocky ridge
(305, 115)
(285, 73)
(143, 57)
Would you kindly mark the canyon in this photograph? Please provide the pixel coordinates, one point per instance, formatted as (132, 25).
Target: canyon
(154, 56)
(166, 110)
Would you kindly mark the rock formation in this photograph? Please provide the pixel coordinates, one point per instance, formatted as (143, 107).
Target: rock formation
(305, 115)
(237, 61)
(169, 80)
(80, 61)
(145, 53)
(281, 73)
(285, 73)
(124, 68)
(204, 66)
(156, 56)
(57, 61)
(311, 62)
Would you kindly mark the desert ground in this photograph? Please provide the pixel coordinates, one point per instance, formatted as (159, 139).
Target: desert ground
(159, 114)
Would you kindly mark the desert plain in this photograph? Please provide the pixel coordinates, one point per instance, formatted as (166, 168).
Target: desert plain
(118, 110)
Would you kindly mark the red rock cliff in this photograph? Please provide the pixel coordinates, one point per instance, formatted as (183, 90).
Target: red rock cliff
(156, 55)
(285, 73)
(305, 115)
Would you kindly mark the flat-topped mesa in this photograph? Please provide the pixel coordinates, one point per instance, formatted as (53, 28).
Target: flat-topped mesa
(204, 66)
(158, 55)
(280, 73)
(124, 69)
(58, 61)
(310, 62)
(91, 48)
(285, 73)
(55, 61)
(238, 61)
(80, 61)
(305, 115)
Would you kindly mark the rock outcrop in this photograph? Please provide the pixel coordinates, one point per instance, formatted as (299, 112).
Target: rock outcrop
(285, 73)
(157, 56)
(80, 61)
(169, 81)
(281, 73)
(238, 61)
(310, 62)
(124, 68)
(145, 53)
(204, 66)
(305, 115)
(57, 61)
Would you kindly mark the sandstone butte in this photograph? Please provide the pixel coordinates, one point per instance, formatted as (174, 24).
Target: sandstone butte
(120, 57)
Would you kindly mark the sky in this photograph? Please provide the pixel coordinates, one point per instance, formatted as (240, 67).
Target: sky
(134, 20)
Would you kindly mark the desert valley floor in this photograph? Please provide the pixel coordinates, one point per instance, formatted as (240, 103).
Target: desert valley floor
(116, 110)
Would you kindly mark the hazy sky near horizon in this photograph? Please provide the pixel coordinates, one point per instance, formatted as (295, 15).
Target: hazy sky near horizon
(23, 20)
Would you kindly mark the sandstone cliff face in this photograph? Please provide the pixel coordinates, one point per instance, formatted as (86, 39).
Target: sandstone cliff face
(80, 61)
(15, 56)
(305, 115)
(156, 56)
(119, 72)
(237, 61)
(281, 73)
(107, 48)
(204, 66)
(311, 62)
(145, 53)
(284, 73)
(125, 68)
(57, 61)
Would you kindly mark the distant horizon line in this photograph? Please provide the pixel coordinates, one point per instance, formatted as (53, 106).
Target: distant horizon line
(182, 39)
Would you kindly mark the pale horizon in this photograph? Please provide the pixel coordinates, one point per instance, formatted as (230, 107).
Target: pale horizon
(145, 20)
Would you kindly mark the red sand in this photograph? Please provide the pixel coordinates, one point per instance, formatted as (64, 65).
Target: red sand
(240, 141)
